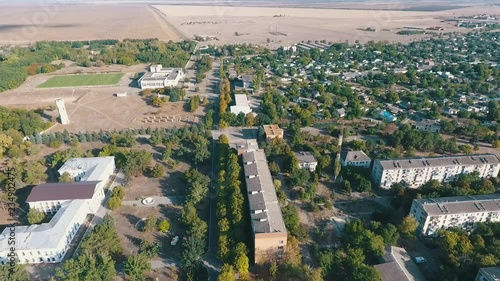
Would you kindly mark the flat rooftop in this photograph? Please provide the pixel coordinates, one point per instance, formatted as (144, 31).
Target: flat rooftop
(272, 130)
(443, 161)
(265, 211)
(240, 100)
(47, 235)
(460, 204)
(164, 73)
(89, 169)
(305, 157)
(247, 145)
(62, 191)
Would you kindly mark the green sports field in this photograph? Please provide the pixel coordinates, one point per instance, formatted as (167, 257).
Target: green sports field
(80, 80)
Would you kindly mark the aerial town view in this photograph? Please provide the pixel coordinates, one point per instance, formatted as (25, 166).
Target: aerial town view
(250, 140)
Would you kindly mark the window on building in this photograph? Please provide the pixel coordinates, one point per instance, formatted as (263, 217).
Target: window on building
(281, 241)
(41, 259)
(280, 247)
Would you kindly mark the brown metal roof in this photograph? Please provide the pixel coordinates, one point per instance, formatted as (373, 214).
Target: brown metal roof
(62, 191)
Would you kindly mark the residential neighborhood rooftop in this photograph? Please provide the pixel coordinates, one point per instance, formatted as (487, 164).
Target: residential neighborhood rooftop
(88, 169)
(265, 211)
(460, 204)
(399, 266)
(62, 191)
(305, 156)
(272, 130)
(412, 163)
(46, 235)
(352, 155)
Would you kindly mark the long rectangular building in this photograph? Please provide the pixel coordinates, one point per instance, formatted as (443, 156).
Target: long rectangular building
(159, 77)
(268, 228)
(47, 242)
(69, 202)
(414, 172)
(434, 214)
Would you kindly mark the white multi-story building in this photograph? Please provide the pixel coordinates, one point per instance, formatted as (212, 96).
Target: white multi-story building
(159, 77)
(89, 169)
(241, 104)
(354, 158)
(428, 125)
(434, 214)
(47, 242)
(306, 160)
(71, 202)
(414, 172)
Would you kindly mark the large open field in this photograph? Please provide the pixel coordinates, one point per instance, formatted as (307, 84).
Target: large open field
(284, 26)
(80, 80)
(49, 20)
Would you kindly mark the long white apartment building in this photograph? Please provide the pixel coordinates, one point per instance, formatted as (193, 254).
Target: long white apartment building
(434, 214)
(414, 172)
(47, 242)
(159, 77)
(69, 202)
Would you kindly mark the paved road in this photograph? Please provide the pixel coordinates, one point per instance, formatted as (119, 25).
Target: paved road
(210, 260)
(159, 200)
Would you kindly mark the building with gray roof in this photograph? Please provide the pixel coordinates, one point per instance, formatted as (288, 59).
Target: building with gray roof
(354, 158)
(414, 172)
(268, 228)
(488, 274)
(434, 214)
(306, 160)
(398, 266)
(47, 242)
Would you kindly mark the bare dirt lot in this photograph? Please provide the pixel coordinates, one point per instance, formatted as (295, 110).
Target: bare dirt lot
(284, 26)
(97, 108)
(28, 23)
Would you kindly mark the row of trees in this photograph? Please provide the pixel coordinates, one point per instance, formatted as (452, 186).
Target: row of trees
(231, 217)
(464, 254)
(17, 63)
(195, 203)
(24, 121)
(97, 255)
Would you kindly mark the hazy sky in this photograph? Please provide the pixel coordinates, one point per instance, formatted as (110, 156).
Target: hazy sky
(237, 2)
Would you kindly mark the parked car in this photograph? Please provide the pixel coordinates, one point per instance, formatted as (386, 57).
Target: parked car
(174, 240)
(420, 260)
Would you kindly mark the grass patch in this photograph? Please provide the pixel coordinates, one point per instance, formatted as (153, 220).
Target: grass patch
(79, 80)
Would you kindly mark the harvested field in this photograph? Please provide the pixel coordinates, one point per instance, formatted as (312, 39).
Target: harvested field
(284, 26)
(80, 80)
(48, 20)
